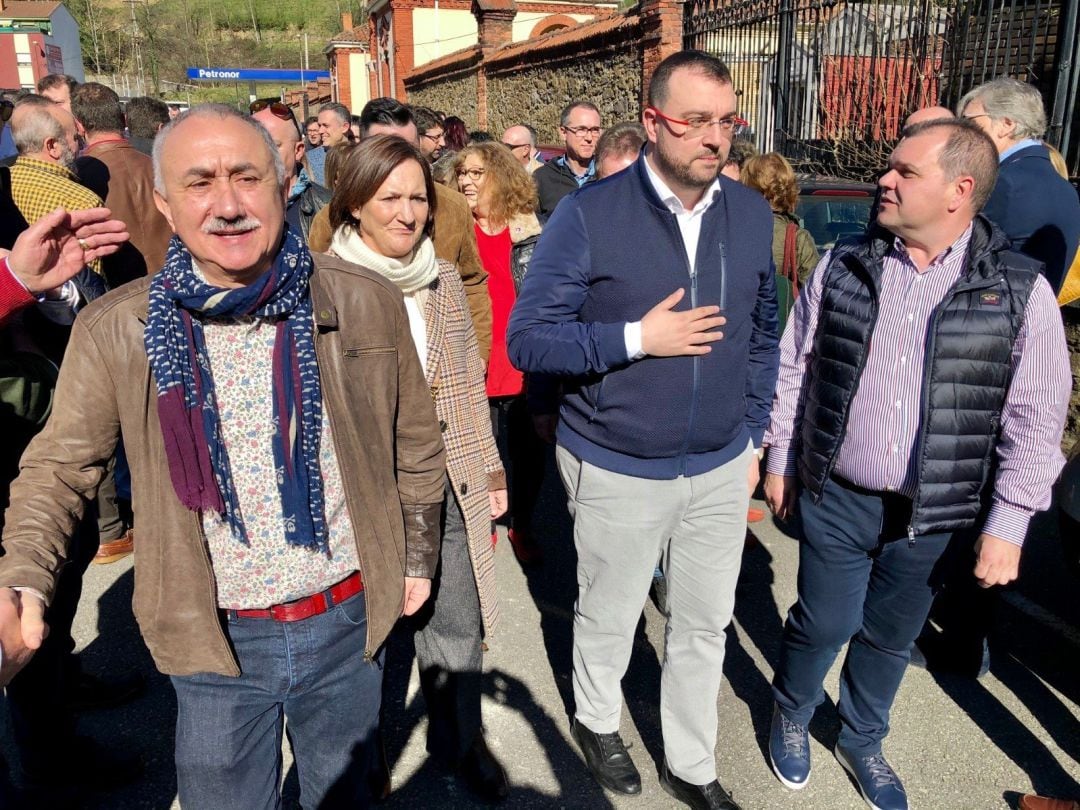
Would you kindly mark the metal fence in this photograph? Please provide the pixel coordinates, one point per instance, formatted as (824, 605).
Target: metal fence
(829, 83)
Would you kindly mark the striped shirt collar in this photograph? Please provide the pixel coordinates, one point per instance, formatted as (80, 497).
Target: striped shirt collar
(959, 247)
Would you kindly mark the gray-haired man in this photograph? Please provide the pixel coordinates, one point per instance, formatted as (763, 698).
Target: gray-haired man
(291, 518)
(1036, 207)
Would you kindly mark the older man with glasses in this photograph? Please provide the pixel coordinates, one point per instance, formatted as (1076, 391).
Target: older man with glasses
(1037, 209)
(304, 198)
(579, 124)
(520, 139)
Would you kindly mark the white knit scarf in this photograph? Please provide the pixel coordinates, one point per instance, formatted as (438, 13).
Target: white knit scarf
(409, 276)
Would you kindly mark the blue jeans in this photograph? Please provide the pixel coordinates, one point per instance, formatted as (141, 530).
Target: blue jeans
(312, 672)
(859, 579)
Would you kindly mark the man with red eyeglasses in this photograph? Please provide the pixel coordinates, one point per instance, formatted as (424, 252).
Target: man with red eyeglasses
(304, 197)
(579, 124)
(665, 336)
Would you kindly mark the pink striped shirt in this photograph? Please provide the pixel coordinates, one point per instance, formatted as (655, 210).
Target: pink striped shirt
(883, 424)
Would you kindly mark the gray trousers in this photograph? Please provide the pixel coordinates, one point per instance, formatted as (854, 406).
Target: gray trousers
(621, 525)
(448, 635)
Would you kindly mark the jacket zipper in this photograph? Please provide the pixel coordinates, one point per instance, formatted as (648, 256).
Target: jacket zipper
(858, 377)
(348, 505)
(204, 547)
(692, 272)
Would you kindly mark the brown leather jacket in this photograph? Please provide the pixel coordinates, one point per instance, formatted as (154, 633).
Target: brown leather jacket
(124, 177)
(385, 432)
(455, 242)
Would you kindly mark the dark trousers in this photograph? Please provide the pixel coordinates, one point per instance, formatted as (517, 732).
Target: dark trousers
(523, 454)
(111, 524)
(449, 630)
(860, 579)
(310, 672)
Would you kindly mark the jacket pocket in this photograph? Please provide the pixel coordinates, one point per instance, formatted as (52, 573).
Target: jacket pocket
(598, 399)
(367, 350)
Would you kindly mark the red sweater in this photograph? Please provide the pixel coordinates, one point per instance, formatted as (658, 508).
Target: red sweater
(503, 380)
(13, 296)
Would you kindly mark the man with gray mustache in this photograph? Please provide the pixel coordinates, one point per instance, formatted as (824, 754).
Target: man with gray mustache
(285, 454)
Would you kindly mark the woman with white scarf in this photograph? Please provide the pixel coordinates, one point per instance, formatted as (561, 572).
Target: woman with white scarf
(382, 213)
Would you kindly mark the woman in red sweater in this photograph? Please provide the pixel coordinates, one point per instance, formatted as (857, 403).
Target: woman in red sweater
(503, 202)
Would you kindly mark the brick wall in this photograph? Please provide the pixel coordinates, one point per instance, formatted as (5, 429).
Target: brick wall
(607, 61)
(449, 85)
(536, 93)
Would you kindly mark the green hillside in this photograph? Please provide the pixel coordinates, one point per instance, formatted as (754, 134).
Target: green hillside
(168, 36)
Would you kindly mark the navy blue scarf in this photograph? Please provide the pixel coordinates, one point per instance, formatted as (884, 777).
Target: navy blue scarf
(187, 406)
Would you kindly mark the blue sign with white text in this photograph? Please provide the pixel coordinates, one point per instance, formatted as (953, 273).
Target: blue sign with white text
(254, 75)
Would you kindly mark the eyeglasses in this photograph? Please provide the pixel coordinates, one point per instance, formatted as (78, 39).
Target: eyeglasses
(697, 126)
(977, 115)
(472, 174)
(513, 146)
(277, 108)
(434, 138)
(582, 131)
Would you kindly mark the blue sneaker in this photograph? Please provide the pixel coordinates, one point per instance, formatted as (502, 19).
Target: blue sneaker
(789, 751)
(877, 781)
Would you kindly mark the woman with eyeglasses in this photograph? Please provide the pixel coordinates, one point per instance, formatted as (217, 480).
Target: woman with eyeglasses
(503, 201)
(382, 213)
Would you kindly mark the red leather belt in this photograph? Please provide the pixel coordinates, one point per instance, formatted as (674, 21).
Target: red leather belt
(308, 606)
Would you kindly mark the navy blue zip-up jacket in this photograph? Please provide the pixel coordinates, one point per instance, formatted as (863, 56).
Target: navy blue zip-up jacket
(610, 252)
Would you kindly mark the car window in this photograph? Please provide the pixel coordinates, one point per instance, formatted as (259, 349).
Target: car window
(829, 218)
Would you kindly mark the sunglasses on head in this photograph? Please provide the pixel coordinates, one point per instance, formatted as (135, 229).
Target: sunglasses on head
(277, 108)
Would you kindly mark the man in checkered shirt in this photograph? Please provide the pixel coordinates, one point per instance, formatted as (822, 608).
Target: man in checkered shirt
(43, 177)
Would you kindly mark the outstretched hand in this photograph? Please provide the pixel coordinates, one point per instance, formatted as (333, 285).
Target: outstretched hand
(22, 630)
(61, 243)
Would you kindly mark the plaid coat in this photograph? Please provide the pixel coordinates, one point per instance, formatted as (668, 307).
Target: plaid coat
(456, 376)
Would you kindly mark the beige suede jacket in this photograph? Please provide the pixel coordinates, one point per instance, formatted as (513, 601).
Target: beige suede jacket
(385, 433)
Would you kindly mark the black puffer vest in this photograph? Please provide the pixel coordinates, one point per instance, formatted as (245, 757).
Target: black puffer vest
(968, 371)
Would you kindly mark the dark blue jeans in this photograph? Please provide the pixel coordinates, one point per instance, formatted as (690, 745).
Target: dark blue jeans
(860, 580)
(312, 673)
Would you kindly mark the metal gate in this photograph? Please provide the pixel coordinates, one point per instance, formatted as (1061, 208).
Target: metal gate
(829, 83)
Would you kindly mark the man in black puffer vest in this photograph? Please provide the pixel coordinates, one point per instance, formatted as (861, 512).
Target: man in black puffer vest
(924, 382)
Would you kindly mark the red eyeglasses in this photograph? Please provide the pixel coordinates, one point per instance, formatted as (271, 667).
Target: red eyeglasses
(696, 126)
(278, 109)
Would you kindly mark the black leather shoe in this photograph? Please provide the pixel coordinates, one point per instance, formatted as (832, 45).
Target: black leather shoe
(483, 774)
(701, 797)
(608, 760)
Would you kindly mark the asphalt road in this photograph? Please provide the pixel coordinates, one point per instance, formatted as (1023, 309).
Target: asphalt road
(957, 743)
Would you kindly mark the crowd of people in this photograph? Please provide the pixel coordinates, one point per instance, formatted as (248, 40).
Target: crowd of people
(302, 368)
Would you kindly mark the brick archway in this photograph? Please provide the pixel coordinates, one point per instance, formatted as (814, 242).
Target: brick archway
(552, 23)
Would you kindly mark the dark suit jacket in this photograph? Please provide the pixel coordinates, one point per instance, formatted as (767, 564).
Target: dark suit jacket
(1037, 210)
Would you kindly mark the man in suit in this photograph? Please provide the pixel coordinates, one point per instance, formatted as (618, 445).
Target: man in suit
(1038, 210)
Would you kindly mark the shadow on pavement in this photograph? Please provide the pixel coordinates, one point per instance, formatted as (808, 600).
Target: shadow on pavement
(145, 726)
(575, 785)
